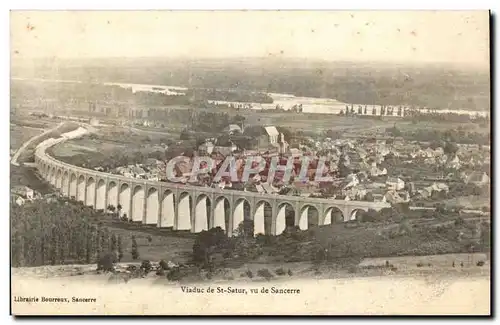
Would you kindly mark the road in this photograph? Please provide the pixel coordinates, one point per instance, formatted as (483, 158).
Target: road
(14, 159)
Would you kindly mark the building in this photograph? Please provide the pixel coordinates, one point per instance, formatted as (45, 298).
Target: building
(94, 122)
(19, 200)
(478, 178)
(24, 191)
(272, 133)
(266, 138)
(234, 129)
(206, 148)
(395, 184)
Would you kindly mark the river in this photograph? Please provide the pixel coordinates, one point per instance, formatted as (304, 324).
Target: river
(284, 101)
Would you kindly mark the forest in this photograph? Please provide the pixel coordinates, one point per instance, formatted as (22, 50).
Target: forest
(55, 233)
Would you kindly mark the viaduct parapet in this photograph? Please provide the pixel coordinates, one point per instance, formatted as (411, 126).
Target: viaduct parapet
(185, 207)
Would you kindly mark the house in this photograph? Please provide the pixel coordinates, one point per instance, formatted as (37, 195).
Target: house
(374, 171)
(295, 152)
(24, 191)
(269, 188)
(183, 168)
(356, 193)
(94, 122)
(206, 148)
(478, 178)
(224, 145)
(453, 163)
(137, 171)
(394, 197)
(234, 129)
(351, 180)
(410, 187)
(394, 183)
(440, 187)
(266, 138)
(272, 133)
(425, 192)
(19, 200)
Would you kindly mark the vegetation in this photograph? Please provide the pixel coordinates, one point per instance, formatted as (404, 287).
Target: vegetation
(106, 263)
(430, 86)
(448, 137)
(134, 251)
(212, 249)
(265, 273)
(54, 233)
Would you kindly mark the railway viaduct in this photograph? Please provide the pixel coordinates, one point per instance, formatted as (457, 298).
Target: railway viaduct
(185, 207)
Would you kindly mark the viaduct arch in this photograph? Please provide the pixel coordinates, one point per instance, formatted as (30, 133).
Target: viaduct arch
(191, 208)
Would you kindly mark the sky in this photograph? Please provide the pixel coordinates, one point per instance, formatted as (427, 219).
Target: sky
(396, 36)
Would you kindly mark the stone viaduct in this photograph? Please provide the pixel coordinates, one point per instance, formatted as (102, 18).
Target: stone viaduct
(185, 207)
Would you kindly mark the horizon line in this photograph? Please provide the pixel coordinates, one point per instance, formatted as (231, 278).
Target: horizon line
(463, 64)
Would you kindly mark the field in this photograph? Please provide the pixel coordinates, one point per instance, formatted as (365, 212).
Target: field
(153, 244)
(469, 202)
(20, 134)
(314, 122)
(84, 147)
(26, 176)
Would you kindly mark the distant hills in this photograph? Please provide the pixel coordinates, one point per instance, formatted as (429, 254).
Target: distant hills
(430, 85)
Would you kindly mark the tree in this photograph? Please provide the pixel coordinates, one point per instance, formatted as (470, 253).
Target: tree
(245, 229)
(206, 242)
(450, 148)
(237, 119)
(120, 248)
(134, 252)
(111, 208)
(113, 242)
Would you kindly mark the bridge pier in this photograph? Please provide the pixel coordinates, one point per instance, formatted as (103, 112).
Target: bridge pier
(185, 207)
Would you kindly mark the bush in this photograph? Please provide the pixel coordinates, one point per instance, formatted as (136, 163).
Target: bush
(175, 274)
(249, 274)
(131, 268)
(266, 240)
(459, 221)
(297, 234)
(245, 229)
(146, 266)
(265, 273)
(290, 273)
(280, 271)
(440, 208)
(107, 262)
(163, 265)
(369, 216)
